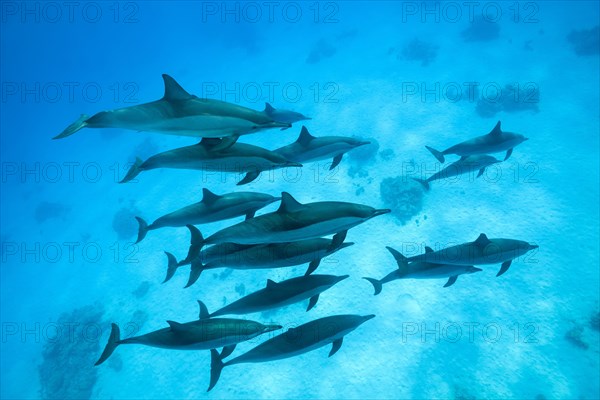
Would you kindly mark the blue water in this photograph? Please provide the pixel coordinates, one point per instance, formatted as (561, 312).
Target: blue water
(404, 75)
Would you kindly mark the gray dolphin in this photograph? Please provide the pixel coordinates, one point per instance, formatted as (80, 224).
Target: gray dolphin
(281, 294)
(180, 113)
(295, 341)
(481, 251)
(259, 256)
(212, 208)
(284, 116)
(421, 270)
(309, 148)
(204, 334)
(294, 221)
(238, 157)
(494, 142)
(465, 165)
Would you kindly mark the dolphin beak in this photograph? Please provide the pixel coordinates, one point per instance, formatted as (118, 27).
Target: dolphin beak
(271, 328)
(368, 317)
(275, 199)
(363, 143)
(381, 212)
(342, 277)
(533, 246)
(292, 164)
(524, 139)
(345, 244)
(475, 269)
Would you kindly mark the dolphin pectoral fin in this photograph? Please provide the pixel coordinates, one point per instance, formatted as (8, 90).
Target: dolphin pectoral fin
(196, 243)
(133, 171)
(142, 229)
(508, 153)
(171, 266)
(423, 182)
(74, 127)
(203, 311)
(451, 281)
(111, 345)
(312, 267)
(250, 176)
(436, 154)
(227, 350)
(337, 344)
(481, 171)
(250, 214)
(225, 143)
(336, 161)
(216, 366)
(504, 267)
(312, 302)
(337, 240)
(195, 272)
(377, 285)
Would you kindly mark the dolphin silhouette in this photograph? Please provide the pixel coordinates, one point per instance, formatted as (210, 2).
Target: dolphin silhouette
(283, 116)
(494, 142)
(421, 270)
(309, 148)
(294, 221)
(481, 251)
(180, 113)
(281, 294)
(212, 208)
(245, 256)
(295, 341)
(204, 334)
(465, 165)
(236, 158)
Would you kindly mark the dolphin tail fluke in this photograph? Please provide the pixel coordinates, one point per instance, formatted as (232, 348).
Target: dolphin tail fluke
(74, 127)
(113, 342)
(216, 366)
(250, 176)
(142, 229)
(195, 272)
(133, 171)
(172, 266)
(196, 243)
(437, 154)
(377, 285)
(423, 182)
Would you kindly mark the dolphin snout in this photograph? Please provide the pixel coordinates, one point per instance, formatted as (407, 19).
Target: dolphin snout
(345, 244)
(533, 246)
(292, 164)
(381, 212)
(368, 317)
(363, 143)
(271, 328)
(342, 277)
(475, 269)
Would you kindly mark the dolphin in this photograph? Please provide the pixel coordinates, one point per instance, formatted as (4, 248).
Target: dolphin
(465, 165)
(204, 334)
(281, 294)
(180, 113)
(294, 221)
(481, 251)
(308, 148)
(259, 256)
(284, 116)
(494, 142)
(212, 208)
(421, 270)
(239, 157)
(295, 341)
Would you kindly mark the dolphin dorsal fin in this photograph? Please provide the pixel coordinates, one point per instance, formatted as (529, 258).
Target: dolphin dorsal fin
(269, 108)
(203, 314)
(482, 240)
(497, 130)
(209, 197)
(428, 249)
(271, 283)
(305, 137)
(173, 90)
(289, 204)
(176, 326)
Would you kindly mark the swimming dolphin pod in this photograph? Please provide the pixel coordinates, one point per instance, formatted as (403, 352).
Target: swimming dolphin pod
(203, 334)
(211, 208)
(181, 113)
(208, 155)
(296, 341)
(494, 142)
